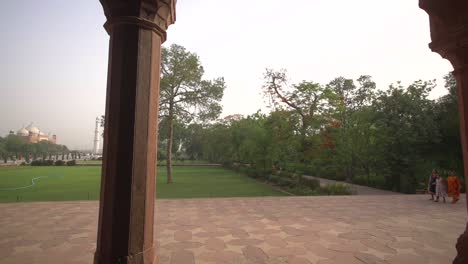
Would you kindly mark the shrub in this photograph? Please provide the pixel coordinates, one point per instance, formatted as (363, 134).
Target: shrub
(227, 164)
(256, 173)
(273, 178)
(336, 189)
(286, 174)
(308, 182)
(71, 163)
(37, 163)
(59, 163)
(286, 182)
(23, 163)
(304, 191)
(49, 163)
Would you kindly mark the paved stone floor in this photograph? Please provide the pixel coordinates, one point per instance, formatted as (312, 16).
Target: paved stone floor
(393, 229)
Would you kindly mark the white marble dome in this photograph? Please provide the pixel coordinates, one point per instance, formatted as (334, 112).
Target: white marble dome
(22, 132)
(33, 129)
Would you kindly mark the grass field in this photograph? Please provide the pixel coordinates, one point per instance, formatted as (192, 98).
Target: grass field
(160, 163)
(82, 183)
(89, 162)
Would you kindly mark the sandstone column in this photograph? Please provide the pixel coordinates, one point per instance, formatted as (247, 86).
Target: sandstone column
(449, 33)
(125, 230)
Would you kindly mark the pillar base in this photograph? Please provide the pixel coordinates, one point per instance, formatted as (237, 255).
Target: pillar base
(146, 257)
(462, 248)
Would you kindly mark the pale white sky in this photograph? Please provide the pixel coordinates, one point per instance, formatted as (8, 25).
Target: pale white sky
(54, 52)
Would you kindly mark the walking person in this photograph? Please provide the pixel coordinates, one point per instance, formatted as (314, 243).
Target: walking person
(431, 188)
(454, 186)
(441, 188)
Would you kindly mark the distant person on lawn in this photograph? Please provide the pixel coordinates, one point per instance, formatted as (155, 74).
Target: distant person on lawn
(454, 186)
(431, 188)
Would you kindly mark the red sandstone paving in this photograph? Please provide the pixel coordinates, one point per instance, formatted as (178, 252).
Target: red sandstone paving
(380, 229)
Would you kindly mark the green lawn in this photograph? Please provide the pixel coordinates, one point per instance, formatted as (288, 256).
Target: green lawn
(160, 163)
(89, 162)
(82, 183)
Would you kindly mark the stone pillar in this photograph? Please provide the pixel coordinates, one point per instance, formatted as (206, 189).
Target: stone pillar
(125, 230)
(449, 33)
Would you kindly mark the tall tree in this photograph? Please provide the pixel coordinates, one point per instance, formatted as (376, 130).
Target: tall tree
(306, 100)
(346, 101)
(184, 95)
(447, 116)
(407, 130)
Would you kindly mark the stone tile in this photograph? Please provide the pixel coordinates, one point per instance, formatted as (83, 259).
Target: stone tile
(182, 257)
(291, 230)
(215, 244)
(182, 235)
(255, 254)
(369, 259)
(275, 241)
(406, 258)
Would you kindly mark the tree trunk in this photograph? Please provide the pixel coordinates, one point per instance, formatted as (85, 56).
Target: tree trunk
(303, 141)
(169, 146)
(368, 174)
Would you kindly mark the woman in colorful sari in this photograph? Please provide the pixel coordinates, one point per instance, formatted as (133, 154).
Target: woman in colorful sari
(454, 186)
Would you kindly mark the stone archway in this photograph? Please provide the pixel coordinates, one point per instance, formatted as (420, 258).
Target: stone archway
(137, 28)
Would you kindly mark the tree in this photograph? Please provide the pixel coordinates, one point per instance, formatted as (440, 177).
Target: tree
(217, 143)
(3, 151)
(447, 117)
(346, 100)
(14, 145)
(184, 95)
(407, 130)
(305, 100)
(193, 140)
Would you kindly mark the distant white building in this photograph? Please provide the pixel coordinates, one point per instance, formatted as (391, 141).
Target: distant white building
(32, 134)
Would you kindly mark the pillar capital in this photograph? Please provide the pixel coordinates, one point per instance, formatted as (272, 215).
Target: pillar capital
(449, 30)
(156, 15)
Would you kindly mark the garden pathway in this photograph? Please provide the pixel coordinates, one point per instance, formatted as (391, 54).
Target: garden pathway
(356, 189)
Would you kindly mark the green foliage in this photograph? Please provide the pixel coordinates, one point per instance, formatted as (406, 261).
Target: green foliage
(42, 163)
(184, 95)
(71, 163)
(37, 163)
(336, 189)
(346, 130)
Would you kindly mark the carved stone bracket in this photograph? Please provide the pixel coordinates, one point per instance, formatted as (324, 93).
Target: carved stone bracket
(449, 29)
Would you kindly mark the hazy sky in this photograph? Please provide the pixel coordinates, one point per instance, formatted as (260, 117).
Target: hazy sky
(54, 53)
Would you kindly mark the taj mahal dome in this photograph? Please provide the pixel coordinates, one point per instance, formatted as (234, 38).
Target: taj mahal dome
(32, 134)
